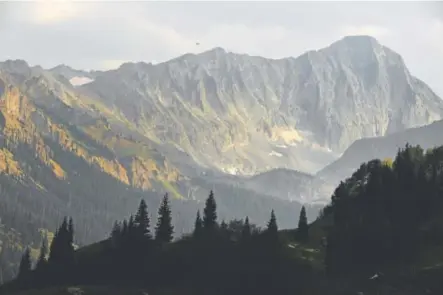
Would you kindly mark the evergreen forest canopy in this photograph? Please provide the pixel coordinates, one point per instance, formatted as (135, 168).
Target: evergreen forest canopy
(384, 219)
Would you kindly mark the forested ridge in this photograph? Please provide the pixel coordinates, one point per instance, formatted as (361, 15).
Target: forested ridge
(381, 234)
(138, 253)
(51, 168)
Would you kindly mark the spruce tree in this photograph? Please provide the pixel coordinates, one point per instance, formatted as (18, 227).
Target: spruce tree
(246, 230)
(69, 243)
(54, 252)
(164, 229)
(131, 227)
(41, 262)
(25, 265)
(71, 232)
(198, 227)
(210, 213)
(272, 228)
(271, 234)
(116, 230)
(124, 231)
(303, 229)
(142, 221)
(62, 247)
(116, 234)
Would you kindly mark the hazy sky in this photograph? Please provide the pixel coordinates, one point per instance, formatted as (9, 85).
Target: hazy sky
(101, 35)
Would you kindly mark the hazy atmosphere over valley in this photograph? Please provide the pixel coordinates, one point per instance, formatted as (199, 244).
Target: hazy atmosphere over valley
(273, 107)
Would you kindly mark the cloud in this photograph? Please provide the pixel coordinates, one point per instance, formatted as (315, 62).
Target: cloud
(105, 34)
(50, 12)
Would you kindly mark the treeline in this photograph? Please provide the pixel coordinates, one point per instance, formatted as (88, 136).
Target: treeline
(384, 217)
(387, 214)
(218, 257)
(37, 199)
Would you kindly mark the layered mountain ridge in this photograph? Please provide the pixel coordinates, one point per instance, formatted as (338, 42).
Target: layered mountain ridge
(382, 147)
(238, 124)
(59, 156)
(218, 112)
(243, 114)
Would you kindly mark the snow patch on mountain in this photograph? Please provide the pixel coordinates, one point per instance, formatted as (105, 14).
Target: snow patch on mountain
(78, 81)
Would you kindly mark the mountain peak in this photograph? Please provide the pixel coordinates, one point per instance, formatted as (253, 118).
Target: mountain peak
(216, 50)
(69, 72)
(362, 51)
(353, 39)
(16, 65)
(61, 67)
(361, 43)
(214, 53)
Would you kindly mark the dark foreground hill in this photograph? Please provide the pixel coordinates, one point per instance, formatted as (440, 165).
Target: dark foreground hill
(381, 234)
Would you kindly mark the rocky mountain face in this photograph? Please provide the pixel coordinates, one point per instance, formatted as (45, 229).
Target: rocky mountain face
(75, 77)
(243, 114)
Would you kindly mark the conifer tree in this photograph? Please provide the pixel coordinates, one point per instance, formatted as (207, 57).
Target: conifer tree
(116, 234)
(271, 233)
(62, 247)
(164, 229)
(70, 242)
(131, 232)
(41, 262)
(198, 227)
(71, 232)
(246, 230)
(116, 231)
(54, 248)
(25, 264)
(303, 229)
(210, 213)
(124, 231)
(142, 221)
(131, 227)
(272, 228)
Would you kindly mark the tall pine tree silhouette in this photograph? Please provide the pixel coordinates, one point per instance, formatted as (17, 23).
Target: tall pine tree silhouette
(303, 229)
(131, 231)
(272, 224)
(210, 214)
(70, 243)
(164, 229)
(71, 232)
(25, 265)
(198, 226)
(116, 234)
(58, 253)
(41, 262)
(246, 230)
(62, 247)
(142, 221)
(272, 228)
